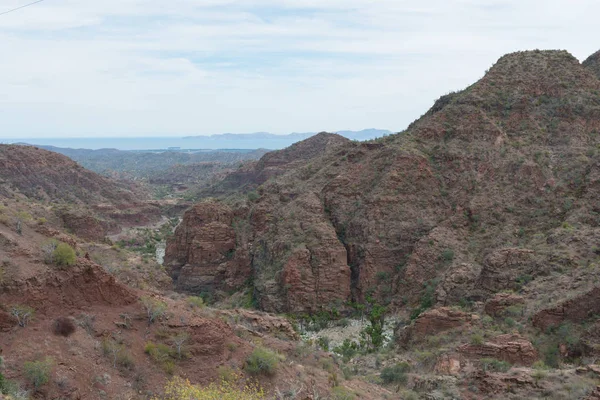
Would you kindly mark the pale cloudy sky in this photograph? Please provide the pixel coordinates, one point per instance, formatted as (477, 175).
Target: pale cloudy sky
(181, 67)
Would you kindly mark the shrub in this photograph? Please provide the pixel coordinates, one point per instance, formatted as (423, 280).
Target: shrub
(38, 372)
(395, 374)
(492, 364)
(323, 342)
(118, 353)
(347, 349)
(447, 256)
(23, 314)
(64, 255)
(262, 361)
(179, 341)
(162, 355)
(154, 308)
(63, 326)
(477, 339)
(180, 389)
(195, 301)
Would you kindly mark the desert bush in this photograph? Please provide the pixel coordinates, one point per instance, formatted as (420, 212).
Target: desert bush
(179, 341)
(262, 361)
(118, 354)
(323, 342)
(492, 364)
(195, 301)
(395, 374)
(347, 349)
(64, 255)
(63, 326)
(180, 389)
(23, 314)
(86, 321)
(38, 372)
(477, 339)
(154, 308)
(162, 355)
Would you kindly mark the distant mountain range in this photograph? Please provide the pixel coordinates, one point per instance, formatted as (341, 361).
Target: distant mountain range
(255, 140)
(365, 134)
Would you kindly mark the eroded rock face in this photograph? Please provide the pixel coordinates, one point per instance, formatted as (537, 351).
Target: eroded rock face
(512, 348)
(577, 309)
(503, 266)
(202, 254)
(448, 364)
(497, 304)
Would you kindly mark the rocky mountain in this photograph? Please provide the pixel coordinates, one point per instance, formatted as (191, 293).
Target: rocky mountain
(487, 190)
(493, 191)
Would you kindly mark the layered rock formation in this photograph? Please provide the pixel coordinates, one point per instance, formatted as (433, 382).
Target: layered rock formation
(202, 254)
(510, 348)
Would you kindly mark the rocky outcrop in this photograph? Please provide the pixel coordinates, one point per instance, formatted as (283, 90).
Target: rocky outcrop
(512, 348)
(435, 321)
(502, 268)
(448, 364)
(577, 309)
(497, 304)
(489, 383)
(202, 254)
(259, 323)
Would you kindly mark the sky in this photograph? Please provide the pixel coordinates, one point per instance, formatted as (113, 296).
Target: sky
(107, 68)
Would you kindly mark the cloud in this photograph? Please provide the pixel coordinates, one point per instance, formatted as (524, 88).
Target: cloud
(133, 67)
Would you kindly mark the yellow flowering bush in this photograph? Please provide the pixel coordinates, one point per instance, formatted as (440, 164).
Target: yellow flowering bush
(181, 389)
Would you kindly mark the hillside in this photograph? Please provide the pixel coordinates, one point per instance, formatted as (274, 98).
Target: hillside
(90, 205)
(493, 191)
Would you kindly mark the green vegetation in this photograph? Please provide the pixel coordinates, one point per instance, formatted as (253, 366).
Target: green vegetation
(154, 308)
(162, 355)
(64, 255)
(347, 349)
(38, 372)
(195, 301)
(23, 314)
(117, 352)
(395, 374)
(491, 364)
(374, 332)
(427, 299)
(262, 361)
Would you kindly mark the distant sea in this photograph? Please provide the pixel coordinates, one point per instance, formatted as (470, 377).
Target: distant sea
(258, 140)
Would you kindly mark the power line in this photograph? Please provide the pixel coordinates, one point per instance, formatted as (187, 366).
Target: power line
(18, 8)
